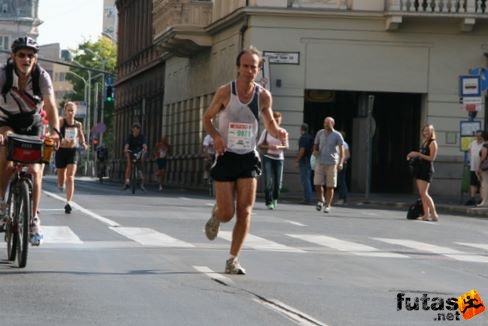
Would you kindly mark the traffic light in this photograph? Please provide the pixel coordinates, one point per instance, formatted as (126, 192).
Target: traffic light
(109, 95)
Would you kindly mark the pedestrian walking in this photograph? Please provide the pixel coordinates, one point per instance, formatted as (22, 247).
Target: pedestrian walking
(329, 152)
(341, 175)
(162, 151)
(474, 164)
(273, 161)
(483, 173)
(239, 104)
(67, 155)
(424, 171)
(305, 149)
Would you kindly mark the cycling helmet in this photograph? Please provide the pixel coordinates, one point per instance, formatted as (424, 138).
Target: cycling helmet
(25, 42)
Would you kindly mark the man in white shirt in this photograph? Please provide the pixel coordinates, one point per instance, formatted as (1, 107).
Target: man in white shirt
(474, 162)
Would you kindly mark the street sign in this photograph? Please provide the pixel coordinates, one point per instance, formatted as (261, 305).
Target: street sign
(469, 86)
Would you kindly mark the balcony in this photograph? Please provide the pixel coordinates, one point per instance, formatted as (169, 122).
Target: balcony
(466, 11)
(179, 26)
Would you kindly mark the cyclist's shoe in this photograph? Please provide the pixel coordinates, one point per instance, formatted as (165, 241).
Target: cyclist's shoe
(212, 226)
(3, 224)
(142, 188)
(36, 239)
(67, 209)
(126, 186)
(35, 227)
(232, 266)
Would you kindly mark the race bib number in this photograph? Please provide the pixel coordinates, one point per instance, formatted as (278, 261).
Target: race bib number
(70, 134)
(240, 136)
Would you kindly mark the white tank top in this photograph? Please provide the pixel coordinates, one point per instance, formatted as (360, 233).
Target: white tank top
(238, 122)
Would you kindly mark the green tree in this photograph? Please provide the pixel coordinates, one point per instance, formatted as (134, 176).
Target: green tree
(100, 57)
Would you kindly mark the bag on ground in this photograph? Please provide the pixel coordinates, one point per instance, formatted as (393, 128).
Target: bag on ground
(415, 210)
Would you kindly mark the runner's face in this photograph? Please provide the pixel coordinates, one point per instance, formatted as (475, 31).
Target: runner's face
(24, 60)
(249, 67)
(69, 111)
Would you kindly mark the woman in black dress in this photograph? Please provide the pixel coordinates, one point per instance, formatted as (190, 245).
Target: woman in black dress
(425, 171)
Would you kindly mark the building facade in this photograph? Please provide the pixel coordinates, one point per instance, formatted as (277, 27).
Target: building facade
(140, 79)
(383, 68)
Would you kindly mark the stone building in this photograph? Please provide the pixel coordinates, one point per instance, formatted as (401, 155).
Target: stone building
(398, 59)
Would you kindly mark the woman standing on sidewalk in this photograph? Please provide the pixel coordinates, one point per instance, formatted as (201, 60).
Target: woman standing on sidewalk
(484, 174)
(425, 171)
(67, 155)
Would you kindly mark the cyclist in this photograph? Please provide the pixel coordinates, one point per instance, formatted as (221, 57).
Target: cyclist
(135, 143)
(67, 156)
(26, 88)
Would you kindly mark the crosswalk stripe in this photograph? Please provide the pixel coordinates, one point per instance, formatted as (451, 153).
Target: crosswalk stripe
(59, 234)
(343, 245)
(259, 243)
(440, 250)
(483, 246)
(150, 237)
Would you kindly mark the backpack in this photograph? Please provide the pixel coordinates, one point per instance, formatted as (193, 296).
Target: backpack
(415, 210)
(9, 74)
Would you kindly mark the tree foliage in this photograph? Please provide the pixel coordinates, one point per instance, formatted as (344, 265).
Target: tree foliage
(97, 60)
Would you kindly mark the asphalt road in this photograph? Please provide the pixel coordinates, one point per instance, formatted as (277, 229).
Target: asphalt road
(123, 259)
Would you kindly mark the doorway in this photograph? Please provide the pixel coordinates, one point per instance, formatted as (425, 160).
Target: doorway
(397, 122)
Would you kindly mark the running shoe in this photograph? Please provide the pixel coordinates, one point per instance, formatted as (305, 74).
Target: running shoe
(319, 206)
(160, 188)
(212, 226)
(142, 188)
(232, 266)
(270, 206)
(275, 203)
(327, 209)
(126, 186)
(67, 209)
(35, 228)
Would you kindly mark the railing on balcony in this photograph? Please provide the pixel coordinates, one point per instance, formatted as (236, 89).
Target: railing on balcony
(461, 7)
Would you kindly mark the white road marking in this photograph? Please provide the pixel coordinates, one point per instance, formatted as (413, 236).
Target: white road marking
(150, 237)
(295, 223)
(213, 275)
(84, 210)
(440, 250)
(483, 246)
(59, 234)
(347, 246)
(297, 316)
(259, 243)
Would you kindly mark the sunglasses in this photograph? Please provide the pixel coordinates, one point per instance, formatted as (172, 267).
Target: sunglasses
(22, 55)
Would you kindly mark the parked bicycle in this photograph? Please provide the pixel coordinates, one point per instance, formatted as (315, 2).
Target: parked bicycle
(136, 173)
(22, 150)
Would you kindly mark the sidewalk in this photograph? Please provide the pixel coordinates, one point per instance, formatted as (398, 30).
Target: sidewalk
(403, 201)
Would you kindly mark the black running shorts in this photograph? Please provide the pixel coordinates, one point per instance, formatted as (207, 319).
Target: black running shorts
(231, 166)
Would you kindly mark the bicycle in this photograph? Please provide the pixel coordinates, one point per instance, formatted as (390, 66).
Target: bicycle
(22, 150)
(136, 169)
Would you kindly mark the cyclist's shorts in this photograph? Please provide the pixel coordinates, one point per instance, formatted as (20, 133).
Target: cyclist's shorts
(231, 166)
(65, 156)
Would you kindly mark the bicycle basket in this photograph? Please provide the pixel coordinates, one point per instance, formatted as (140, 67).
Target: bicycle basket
(24, 149)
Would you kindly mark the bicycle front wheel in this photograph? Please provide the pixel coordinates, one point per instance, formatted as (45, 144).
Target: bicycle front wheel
(11, 234)
(23, 213)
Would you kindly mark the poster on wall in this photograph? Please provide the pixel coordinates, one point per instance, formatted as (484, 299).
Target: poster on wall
(467, 131)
